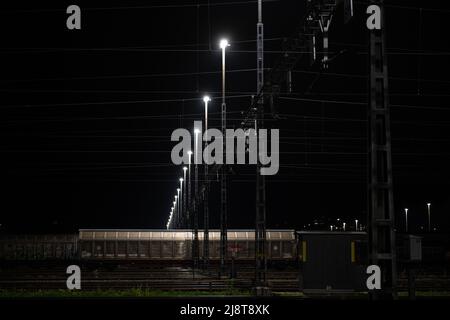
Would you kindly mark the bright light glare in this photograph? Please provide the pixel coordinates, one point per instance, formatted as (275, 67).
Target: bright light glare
(224, 43)
(206, 99)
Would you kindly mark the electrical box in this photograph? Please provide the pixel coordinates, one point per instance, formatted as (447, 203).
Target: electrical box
(415, 248)
(410, 248)
(332, 261)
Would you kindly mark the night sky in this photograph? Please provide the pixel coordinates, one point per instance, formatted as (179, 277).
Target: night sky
(86, 115)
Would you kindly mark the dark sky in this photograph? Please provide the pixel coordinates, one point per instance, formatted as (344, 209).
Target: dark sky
(86, 115)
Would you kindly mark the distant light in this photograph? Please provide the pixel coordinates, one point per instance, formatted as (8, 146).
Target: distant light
(206, 99)
(224, 43)
(178, 189)
(189, 153)
(184, 168)
(196, 131)
(428, 204)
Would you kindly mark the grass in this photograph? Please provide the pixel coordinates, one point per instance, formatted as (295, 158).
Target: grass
(128, 293)
(149, 293)
(429, 294)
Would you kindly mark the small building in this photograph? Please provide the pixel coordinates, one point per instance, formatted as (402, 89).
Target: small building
(332, 261)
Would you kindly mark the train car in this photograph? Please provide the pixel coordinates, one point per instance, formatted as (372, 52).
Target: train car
(177, 244)
(38, 247)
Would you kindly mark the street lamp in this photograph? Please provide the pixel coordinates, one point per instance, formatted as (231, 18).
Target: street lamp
(223, 45)
(178, 206)
(343, 226)
(406, 219)
(356, 225)
(429, 216)
(175, 210)
(181, 201)
(196, 133)
(189, 179)
(223, 183)
(185, 191)
(206, 99)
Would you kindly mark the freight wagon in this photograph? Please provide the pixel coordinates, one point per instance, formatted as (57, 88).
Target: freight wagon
(177, 244)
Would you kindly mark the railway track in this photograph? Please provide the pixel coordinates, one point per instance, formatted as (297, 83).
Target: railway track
(175, 278)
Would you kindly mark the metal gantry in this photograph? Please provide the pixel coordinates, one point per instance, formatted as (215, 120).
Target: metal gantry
(380, 187)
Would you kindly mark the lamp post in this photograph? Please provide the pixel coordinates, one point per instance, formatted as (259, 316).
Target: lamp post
(356, 224)
(223, 45)
(406, 220)
(206, 99)
(184, 197)
(195, 247)
(196, 133)
(223, 183)
(343, 225)
(175, 212)
(181, 202)
(429, 216)
(189, 180)
(178, 208)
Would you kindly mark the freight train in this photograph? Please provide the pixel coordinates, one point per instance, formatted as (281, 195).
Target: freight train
(112, 244)
(159, 245)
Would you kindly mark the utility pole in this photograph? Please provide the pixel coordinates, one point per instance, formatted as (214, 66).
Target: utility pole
(380, 187)
(260, 221)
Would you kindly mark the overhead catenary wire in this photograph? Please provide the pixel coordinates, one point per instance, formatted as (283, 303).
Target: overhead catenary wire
(162, 6)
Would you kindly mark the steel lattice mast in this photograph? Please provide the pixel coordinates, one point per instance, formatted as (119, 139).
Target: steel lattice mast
(260, 221)
(380, 187)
